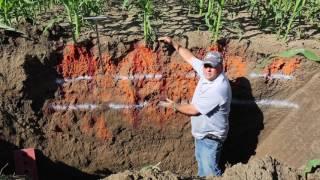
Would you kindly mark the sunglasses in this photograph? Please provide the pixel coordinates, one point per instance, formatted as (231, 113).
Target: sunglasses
(208, 66)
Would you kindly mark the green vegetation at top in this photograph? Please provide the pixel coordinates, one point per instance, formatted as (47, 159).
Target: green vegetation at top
(77, 9)
(146, 6)
(213, 17)
(13, 11)
(293, 52)
(286, 18)
(283, 17)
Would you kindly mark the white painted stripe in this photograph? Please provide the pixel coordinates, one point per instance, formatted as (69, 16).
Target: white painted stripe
(127, 106)
(67, 80)
(268, 102)
(139, 77)
(277, 103)
(122, 77)
(272, 76)
(119, 106)
(86, 106)
(74, 107)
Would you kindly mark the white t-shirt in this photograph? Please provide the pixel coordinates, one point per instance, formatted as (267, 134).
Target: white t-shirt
(212, 99)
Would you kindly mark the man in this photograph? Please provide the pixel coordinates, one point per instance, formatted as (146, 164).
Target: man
(209, 109)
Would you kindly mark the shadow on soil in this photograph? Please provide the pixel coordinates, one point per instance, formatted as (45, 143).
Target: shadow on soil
(40, 84)
(50, 170)
(6, 157)
(246, 122)
(46, 168)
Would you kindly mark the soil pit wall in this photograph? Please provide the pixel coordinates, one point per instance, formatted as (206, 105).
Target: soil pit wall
(119, 105)
(104, 119)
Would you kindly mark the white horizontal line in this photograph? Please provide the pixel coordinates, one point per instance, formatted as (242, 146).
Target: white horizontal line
(74, 107)
(79, 78)
(88, 106)
(268, 102)
(118, 106)
(272, 76)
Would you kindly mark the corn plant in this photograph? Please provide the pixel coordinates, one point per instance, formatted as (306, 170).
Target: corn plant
(12, 11)
(76, 10)
(281, 15)
(147, 14)
(312, 12)
(201, 6)
(213, 17)
(297, 9)
(146, 6)
(6, 10)
(254, 8)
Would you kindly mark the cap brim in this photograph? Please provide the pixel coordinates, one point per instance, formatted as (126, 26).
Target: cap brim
(211, 63)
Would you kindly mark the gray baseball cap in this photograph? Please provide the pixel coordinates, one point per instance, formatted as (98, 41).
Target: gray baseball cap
(213, 58)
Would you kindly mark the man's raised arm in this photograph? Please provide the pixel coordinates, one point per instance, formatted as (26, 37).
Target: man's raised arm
(183, 52)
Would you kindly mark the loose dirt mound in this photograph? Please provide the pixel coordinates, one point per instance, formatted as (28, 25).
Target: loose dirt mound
(267, 168)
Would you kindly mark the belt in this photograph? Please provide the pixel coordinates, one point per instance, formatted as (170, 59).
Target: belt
(212, 137)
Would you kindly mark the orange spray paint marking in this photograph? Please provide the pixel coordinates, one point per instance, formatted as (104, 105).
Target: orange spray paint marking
(102, 131)
(77, 61)
(213, 47)
(95, 126)
(235, 67)
(283, 65)
(201, 53)
(140, 62)
(87, 124)
(163, 83)
(143, 59)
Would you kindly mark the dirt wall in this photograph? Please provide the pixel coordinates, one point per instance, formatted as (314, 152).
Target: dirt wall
(104, 117)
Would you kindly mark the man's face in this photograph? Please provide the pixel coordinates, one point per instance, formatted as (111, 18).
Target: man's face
(211, 73)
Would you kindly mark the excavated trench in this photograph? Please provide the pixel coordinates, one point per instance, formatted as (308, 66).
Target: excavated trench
(89, 118)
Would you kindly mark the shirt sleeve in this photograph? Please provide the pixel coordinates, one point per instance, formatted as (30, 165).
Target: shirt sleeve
(206, 103)
(197, 65)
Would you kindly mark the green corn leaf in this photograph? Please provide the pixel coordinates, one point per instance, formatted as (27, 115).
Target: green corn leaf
(8, 28)
(293, 52)
(51, 23)
(29, 2)
(312, 164)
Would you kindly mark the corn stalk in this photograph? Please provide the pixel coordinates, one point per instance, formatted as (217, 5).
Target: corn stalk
(76, 10)
(201, 7)
(6, 10)
(73, 10)
(213, 17)
(147, 14)
(12, 11)
(146, 6)
(297, 9)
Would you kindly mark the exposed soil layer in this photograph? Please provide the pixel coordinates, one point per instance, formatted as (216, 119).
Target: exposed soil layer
(89, 118)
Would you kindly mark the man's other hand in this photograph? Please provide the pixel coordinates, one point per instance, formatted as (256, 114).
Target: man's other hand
(168, 103)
